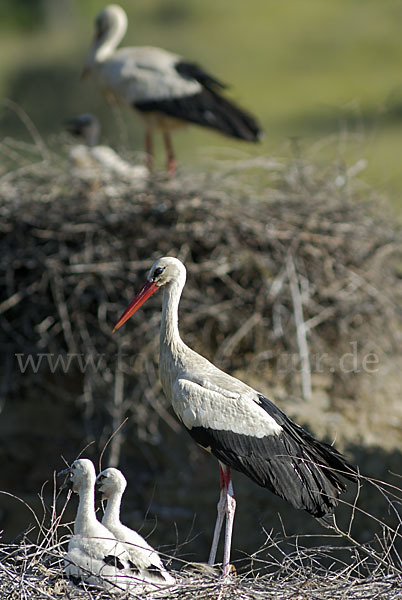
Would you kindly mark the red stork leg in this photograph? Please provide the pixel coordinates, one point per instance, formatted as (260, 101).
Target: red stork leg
(226, 506)
(171, 161)
(149, 150)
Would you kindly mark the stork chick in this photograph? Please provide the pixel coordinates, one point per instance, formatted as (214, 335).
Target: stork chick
(94, 555)
(93, 157)
(111, 483)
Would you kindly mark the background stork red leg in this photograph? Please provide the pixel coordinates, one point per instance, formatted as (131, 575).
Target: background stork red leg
(171, 161)
(226, 506)
(149, 150)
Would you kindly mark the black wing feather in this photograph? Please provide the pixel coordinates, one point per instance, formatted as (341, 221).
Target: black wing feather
(155, 572)
(208, 109)
(75, 579)
(133, 566)
(293, 465)
(113, 561)
(191, 70)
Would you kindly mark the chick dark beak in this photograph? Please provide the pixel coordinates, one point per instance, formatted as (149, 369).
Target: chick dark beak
(68, 482)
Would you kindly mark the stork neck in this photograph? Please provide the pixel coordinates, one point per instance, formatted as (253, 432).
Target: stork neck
(86, 509)
(107, 44)
(170, 336)
(112, 511)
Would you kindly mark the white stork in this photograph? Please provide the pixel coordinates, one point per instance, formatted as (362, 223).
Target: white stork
(92, 156)
(94, 555)
(165, 89)
(111, 483)
(238, 425)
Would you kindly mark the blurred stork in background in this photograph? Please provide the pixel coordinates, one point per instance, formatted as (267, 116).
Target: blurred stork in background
(90, 156)
(167, 90)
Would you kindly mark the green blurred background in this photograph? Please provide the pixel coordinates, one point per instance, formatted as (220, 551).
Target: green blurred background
(327, 73)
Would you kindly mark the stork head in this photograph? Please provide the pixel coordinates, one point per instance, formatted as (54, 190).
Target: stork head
(86, 126)
(81, 475)
(166, 270)
(110, 481)
(110, 20)
(110, 27)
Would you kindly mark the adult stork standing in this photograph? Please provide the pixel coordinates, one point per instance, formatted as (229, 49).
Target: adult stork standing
(165, 89)
(238, 425)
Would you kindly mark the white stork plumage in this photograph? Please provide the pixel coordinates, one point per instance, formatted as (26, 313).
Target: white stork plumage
(94, 555)
(111, 483)
(238, 425)
(165, 89)
(92, 157)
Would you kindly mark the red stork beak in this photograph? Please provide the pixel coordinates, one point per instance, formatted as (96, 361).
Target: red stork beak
(145, 292)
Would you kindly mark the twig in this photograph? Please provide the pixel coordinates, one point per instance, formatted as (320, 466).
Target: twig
(116, 440)
(58, 287)
(37, 138)
(300, 328)
(232, 341)
(108, 442)
(16, 298)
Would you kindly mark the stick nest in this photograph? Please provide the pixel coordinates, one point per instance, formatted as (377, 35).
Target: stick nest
(35, 571)
(289, 268)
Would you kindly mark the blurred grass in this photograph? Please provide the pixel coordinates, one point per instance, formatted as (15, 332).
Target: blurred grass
(310, 70)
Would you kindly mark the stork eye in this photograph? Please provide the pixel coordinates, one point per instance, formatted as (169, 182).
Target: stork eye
(158, 271)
